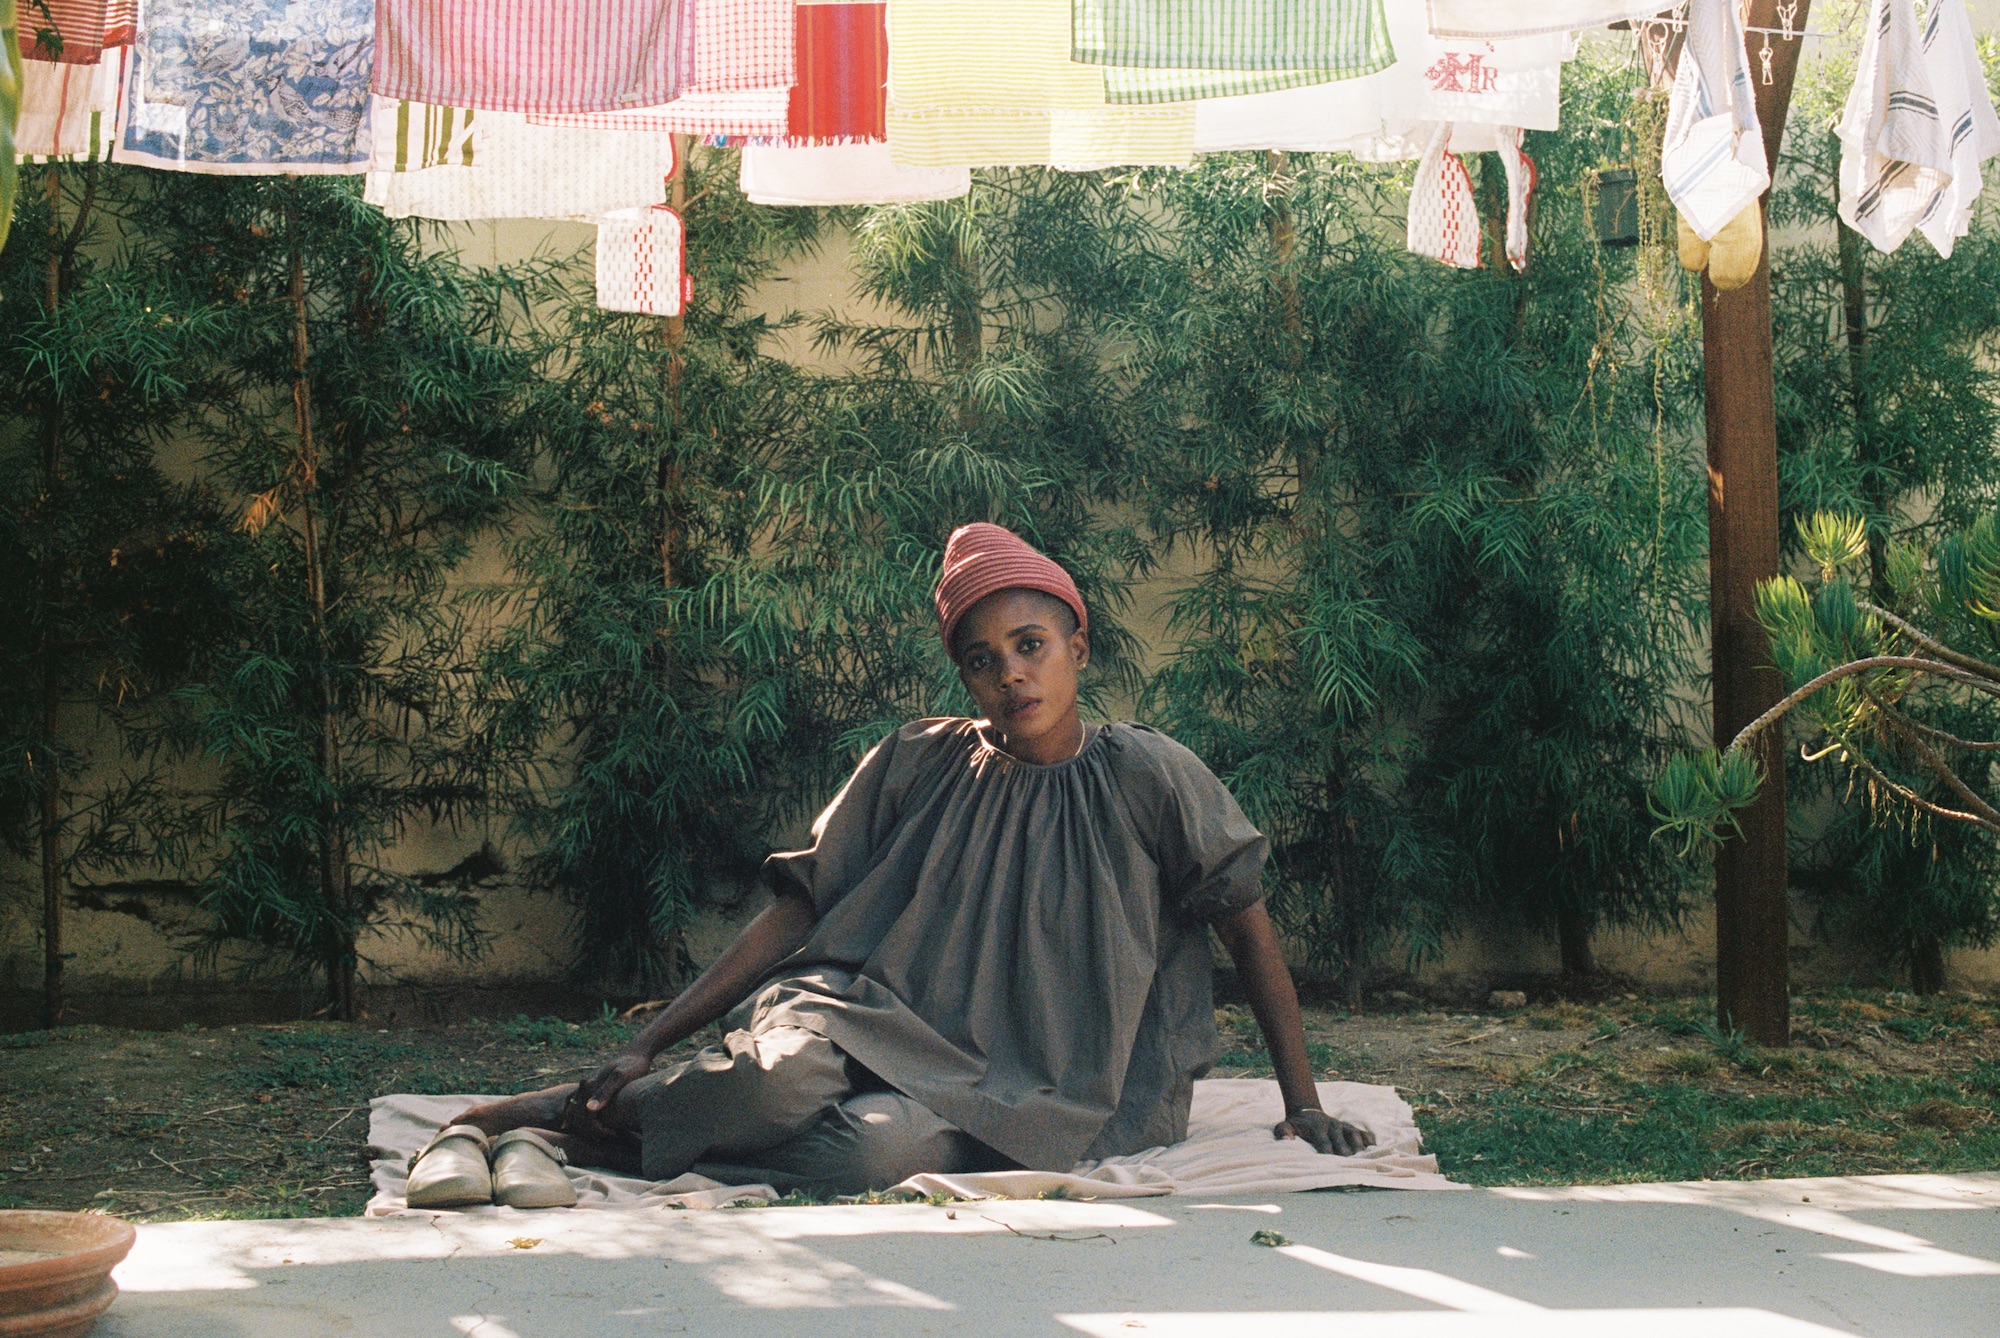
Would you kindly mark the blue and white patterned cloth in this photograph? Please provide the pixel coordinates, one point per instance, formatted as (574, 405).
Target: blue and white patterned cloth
(1712, 160)
(250, 86)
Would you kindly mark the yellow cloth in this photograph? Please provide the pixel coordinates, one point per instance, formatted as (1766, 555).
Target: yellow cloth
(989, 83)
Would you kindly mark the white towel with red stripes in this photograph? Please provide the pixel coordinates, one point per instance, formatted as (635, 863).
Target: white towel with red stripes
(530, 55)
(641, 266)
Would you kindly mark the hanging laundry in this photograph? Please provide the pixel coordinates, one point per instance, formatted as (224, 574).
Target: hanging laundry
(1531, 18)
(842, 58)
(1918, 125)
(1343, 38)
(520, 170)
(741, 62)
(69, 113)
(1712, 159)
(1514, 82)
(743, 44)
(641, 265)
(757, 113)
(1444, 217)
(410, 136)
(990, 83)
(75, 32)
(1958, 80)
(1264, 45)
(1521, 178)
(249, 86)
(529, 55)
(844, 174)
(1895, 148)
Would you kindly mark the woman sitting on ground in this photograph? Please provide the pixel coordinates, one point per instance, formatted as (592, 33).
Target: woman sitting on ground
(995, 953)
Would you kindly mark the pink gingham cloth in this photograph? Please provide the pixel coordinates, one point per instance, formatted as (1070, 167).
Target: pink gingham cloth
(743, 44)
(640, 264)
(530, 55)
(740, 59)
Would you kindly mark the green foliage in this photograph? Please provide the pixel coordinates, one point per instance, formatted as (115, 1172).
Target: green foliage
(1915, 735)
(106, 585)
(1888, 408)
(1696, 793)
(1444, 557)
(639, 754)
(362, 411)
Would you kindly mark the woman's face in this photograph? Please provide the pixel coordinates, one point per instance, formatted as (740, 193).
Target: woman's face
(1019, 658)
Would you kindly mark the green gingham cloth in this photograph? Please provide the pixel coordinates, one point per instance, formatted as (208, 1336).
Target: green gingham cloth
(1180, 50)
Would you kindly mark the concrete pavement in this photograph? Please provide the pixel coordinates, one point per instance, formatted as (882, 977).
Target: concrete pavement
(1902, 1256)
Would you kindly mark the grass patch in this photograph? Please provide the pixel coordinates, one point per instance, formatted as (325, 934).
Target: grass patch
(1323, 1059)
(1538, 1132)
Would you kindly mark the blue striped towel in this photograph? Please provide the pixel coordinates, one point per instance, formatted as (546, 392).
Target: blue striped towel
(1713, 160)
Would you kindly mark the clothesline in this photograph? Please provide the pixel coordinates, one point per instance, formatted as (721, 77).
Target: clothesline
(460, 109)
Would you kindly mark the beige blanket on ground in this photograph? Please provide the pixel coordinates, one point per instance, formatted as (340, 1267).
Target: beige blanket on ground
(1228, 1150)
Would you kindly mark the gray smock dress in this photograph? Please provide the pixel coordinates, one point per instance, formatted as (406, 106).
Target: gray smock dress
(1021, 949)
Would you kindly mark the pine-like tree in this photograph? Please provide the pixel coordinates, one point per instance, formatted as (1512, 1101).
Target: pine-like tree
(625, 737)
(366, 416)
(1889, 409)
(106, 584)
(1445, 542)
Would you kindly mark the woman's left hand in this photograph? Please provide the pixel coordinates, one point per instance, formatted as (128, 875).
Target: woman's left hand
(1325, 1133)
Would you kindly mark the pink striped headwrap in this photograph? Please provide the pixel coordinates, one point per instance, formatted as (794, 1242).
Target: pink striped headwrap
(981, 558)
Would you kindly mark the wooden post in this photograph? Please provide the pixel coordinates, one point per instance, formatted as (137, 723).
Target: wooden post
(1752, 946)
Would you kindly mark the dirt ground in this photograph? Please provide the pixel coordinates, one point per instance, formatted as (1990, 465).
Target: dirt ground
(271, 1120)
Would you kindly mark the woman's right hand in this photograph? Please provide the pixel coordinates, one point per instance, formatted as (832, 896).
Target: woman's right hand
(583, 1114)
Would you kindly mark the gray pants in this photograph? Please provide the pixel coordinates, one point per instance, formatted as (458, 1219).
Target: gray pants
(788, 1108)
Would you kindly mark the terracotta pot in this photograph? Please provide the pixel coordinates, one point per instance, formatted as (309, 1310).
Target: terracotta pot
(61, 1292)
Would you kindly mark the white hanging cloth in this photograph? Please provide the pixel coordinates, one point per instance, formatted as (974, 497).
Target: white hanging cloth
(509, 168)
(1433, 79)
(1917, 127)
(1712, 160)
(641, 266)
(1895, 153)
(1527, 18)
(1958, 79)
(1437, 227)
(838, 174)
(69, 112)
(1520, 191)
(1444, 218)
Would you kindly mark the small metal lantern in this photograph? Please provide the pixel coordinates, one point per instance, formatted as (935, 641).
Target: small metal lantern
(1617, 210)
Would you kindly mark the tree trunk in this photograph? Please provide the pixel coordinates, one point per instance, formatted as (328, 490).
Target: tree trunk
(1854, 306)
(1926, 965)
(50, 817)
(968, 329)
(672, 501)
(335, 878)
(1573, 942)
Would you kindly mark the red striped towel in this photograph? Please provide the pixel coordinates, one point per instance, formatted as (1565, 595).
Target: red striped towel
(83, 27)
(530, 55)
(843, 73)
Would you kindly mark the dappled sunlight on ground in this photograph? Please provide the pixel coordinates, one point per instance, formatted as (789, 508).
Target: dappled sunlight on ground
(1722, 1259)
